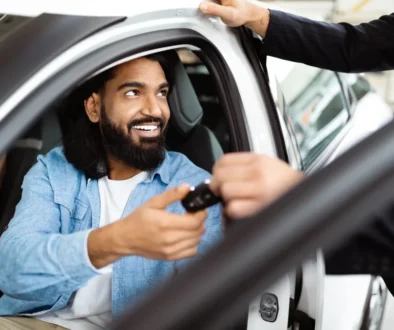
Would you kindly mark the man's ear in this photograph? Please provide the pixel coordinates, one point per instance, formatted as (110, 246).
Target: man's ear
(92, 107)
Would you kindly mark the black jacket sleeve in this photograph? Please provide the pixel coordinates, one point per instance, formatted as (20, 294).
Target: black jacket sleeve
(338, 47)
(371, 251)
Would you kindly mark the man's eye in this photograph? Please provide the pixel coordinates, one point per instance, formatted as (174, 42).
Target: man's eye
(131, 93)
(163, 92)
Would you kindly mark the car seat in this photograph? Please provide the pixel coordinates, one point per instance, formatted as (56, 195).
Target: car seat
(186, 134)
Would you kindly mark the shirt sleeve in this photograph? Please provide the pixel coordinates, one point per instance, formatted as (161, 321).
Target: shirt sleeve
(38, 262)
(338, 47)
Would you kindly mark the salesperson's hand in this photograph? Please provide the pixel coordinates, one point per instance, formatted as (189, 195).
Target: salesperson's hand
(248, 182)
(239, 12)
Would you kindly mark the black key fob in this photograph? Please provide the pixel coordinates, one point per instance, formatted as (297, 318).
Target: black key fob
(200, 198)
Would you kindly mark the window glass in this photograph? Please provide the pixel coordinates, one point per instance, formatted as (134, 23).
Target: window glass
(316, 109)
(359, 85)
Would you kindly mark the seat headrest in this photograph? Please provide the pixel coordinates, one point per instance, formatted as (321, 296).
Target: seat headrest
(186, 111)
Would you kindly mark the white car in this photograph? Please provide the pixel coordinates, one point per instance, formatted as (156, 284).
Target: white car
(226, 98)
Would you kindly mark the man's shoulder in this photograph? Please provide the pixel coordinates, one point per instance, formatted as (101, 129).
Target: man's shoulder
(54, 158)
(55, 165)
(183, 169)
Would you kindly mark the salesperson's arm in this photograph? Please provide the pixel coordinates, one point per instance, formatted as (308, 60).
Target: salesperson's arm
(338, 47)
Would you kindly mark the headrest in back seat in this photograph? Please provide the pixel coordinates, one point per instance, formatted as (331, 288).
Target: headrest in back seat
(186, 111)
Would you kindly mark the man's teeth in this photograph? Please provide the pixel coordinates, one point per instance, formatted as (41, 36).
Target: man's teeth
(145, 128)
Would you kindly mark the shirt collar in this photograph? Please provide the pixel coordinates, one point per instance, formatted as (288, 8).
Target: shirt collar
(163, 171)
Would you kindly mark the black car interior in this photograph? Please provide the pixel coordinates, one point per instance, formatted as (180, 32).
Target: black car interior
(197, 129)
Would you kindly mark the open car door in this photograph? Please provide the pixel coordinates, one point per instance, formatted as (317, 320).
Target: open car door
(259, 250)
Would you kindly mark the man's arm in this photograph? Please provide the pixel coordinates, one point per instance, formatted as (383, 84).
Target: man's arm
(40, 263)
(338, 47)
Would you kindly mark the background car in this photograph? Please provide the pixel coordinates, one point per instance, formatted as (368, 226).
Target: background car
(226, 98)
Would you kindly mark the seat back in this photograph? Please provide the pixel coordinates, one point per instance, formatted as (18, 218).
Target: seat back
(186, 134)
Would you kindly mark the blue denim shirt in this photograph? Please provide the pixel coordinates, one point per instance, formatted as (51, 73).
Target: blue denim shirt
(43, 252)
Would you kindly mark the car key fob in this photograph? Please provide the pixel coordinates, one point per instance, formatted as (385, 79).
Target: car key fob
(200, 198)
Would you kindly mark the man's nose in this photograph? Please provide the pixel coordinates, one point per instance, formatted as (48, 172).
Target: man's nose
(152, 107)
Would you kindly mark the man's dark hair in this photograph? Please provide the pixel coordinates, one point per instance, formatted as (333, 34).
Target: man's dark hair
(82, 140)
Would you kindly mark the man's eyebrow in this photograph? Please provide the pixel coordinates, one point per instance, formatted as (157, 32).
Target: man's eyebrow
(164, 85)
(135, 84)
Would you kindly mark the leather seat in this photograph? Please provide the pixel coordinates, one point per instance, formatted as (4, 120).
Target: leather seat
(186, 133)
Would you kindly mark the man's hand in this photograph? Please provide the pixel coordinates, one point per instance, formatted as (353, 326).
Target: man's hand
(235, 13)
(150, 231)
(248, 182)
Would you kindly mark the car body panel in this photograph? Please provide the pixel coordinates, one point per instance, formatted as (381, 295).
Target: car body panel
(345, 313)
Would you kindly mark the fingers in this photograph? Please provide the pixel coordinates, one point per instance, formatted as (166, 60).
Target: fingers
(239, 158)
(225, 13)
(177, 236)
(168, 197)
(242, 208)
(226, 171)
(241, 190)
(182, 222)
(184, 249)
(189, 253)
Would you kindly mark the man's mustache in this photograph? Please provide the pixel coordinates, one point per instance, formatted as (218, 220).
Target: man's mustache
(142, 121)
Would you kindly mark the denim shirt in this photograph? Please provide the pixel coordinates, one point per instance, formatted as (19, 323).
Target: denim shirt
(43, 253)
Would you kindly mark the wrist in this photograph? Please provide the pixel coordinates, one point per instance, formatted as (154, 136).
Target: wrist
(258, 19)
(120, 235)
(103, 247)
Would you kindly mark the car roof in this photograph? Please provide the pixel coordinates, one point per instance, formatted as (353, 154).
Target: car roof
(101, 8)
(87, 8)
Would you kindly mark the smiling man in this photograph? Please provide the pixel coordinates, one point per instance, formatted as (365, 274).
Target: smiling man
(100, 222)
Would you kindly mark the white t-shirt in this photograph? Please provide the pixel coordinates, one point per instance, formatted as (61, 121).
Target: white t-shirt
(91, 306)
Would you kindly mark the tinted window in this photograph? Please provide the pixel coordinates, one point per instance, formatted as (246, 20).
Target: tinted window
(316, 109)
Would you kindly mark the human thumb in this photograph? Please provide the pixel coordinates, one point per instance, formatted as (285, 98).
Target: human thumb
(170, 196)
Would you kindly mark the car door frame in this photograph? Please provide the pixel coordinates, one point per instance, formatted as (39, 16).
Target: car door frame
(61, 73)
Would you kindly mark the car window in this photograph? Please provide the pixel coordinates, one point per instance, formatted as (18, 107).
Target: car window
(316, 109)
(359, 85)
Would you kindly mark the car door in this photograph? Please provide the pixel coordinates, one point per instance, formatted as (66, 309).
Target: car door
(366, 181)
(323, 113)
(58, 52)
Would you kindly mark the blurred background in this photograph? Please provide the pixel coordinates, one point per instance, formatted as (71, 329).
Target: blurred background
(351, 11)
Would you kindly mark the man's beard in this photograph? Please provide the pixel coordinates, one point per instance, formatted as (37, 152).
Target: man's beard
(146, 156)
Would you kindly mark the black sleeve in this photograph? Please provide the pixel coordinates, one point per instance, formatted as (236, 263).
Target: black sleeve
(371, 251)
(338, 47)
